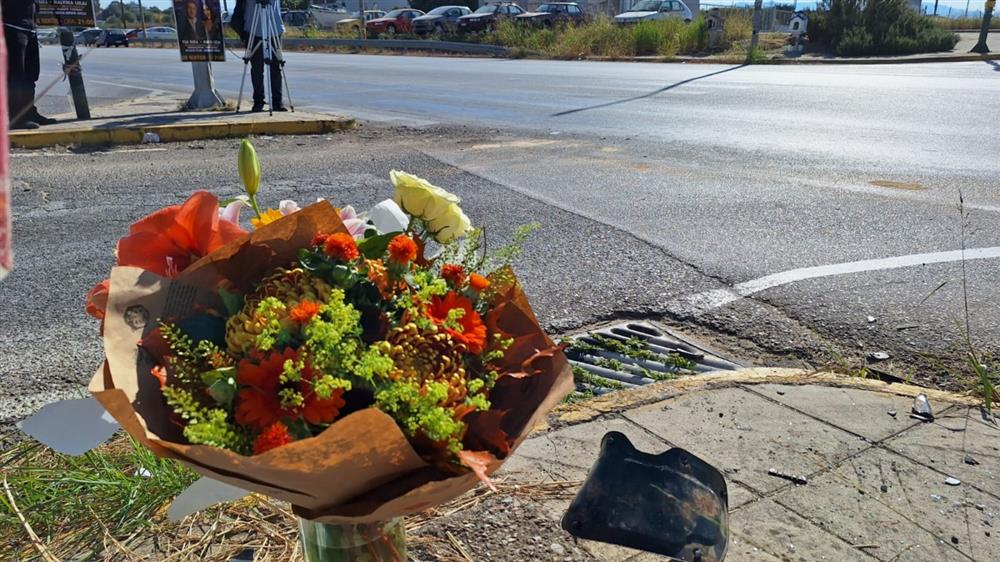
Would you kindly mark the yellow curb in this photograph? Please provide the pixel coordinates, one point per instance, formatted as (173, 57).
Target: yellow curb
(580, 412)
(177, 132)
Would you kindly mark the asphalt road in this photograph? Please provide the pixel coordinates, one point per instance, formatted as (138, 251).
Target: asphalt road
(675, 192)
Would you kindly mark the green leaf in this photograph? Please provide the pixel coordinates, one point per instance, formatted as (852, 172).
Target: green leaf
(232, 301)
(221, 384)
(375, 247)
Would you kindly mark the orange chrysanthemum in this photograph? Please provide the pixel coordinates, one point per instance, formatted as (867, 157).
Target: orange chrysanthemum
(402, 249)
(470, 330)
(303, 312)
(341, 246)
(276, 435)
(478, 282)
(319, 239)
(267, 217)
(258, 404)
(453, 274)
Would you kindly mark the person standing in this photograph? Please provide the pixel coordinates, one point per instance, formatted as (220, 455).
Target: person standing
(270, 16)
(23, 65)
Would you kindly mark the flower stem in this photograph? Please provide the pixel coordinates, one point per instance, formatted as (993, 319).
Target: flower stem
(253, 205)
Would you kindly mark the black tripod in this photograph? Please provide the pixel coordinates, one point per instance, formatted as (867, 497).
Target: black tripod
(270, 42)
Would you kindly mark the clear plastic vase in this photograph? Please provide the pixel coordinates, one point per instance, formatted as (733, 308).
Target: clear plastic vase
(383, 541)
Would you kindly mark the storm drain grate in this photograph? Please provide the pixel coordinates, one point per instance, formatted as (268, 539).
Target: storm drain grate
(634, 354)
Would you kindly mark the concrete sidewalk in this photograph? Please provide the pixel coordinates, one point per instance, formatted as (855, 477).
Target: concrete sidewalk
(158, 119)
(876, 481)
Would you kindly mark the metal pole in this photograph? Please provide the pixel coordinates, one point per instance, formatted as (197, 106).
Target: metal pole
(75, 73)
(966, 8)
(935, 7)
(205, 95)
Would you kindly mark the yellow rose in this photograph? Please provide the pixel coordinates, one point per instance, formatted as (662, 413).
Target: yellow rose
(450, 225)
(420, 198)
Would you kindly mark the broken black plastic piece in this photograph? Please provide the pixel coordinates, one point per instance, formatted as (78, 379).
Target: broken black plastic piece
(673, 503)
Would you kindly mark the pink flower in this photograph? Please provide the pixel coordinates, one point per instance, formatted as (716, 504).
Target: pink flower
(287, 207)
(231, 212)
(355, 225)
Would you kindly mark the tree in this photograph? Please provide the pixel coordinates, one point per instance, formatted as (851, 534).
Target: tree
(984, 31)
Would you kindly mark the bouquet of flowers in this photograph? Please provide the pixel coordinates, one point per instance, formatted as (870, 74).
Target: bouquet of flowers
(326, 358)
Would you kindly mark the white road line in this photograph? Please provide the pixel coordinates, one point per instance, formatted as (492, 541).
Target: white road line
(708, 300)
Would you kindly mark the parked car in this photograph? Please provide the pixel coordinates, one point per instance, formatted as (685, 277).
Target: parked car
(298, 18)
(48, 35)
(353, 25)
(486, 17)
(88, 36)
(646, 10)
(440, 19)
(162, 33)
(396, 21)
(112, 38)
(554, 13)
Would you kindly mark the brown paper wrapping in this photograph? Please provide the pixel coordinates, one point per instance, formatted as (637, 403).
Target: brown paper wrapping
(362, 468)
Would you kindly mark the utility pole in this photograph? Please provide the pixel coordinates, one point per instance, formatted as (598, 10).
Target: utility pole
(121, 3)
(935, 7)
(758, 16)
(966, 8)
(981, 46)
(142, 20)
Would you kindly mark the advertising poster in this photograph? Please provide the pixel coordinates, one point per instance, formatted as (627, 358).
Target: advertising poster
(199, 30)
(56, 13)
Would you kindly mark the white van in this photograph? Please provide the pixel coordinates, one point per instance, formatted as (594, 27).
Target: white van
(645, 10)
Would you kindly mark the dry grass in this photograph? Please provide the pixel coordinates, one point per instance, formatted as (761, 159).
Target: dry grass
(55, 507)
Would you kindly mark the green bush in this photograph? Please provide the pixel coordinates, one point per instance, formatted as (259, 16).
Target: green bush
(877, 27)
(856, 42)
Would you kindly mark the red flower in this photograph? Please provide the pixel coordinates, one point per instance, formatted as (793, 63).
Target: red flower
(471, 330)
(304, 311)
(319, 239)
(258, 404)
(478, 282)
(169, 240)
(402, 249)
(276, 435)
(453, 274)
(341, 246)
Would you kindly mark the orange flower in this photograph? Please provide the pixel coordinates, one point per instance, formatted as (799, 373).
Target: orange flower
(471, 331)
(276, 435)
(453, 274)
(258, 404)
(169, 240)
(319, 239)
(402, 249)
(267, 217)
(161, 375)
(478, 282)
(341, 246)
(304, 311)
